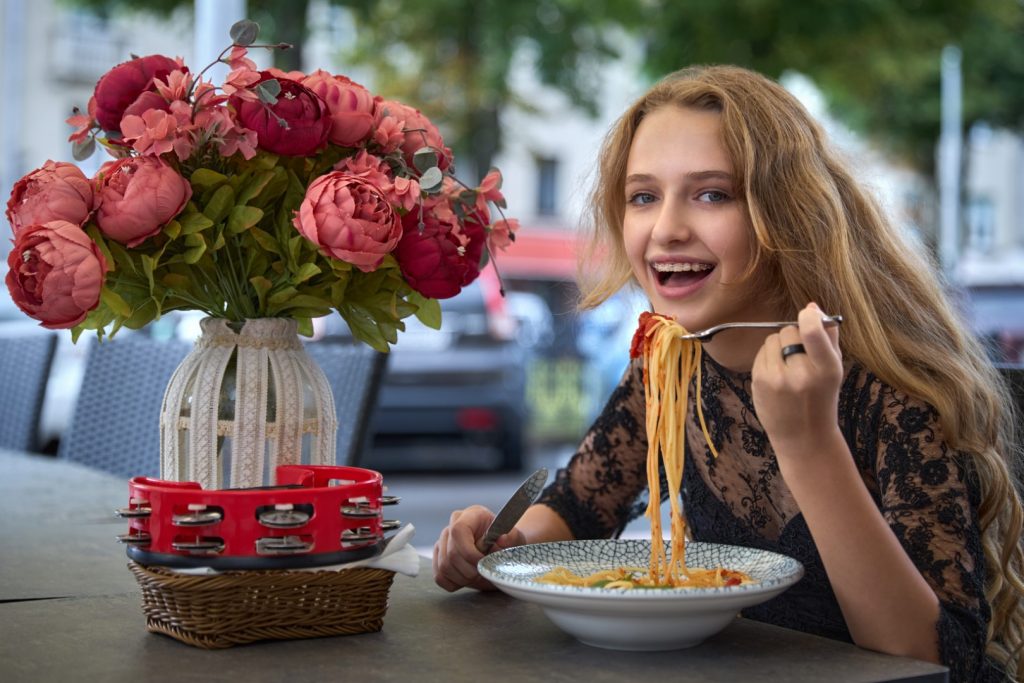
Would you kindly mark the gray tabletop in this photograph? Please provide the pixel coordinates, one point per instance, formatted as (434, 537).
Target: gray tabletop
(70, 610)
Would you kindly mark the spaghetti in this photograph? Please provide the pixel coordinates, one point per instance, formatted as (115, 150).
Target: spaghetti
(669, 364)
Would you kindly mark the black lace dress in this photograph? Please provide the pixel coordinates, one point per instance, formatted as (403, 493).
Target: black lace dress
(924, 491)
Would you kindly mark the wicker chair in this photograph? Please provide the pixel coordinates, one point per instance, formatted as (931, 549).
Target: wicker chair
(354, 372)
(24, 369)
(115, 426)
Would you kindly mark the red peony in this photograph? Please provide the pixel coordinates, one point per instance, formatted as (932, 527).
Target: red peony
(442, 258)
(129, 86)
(297, 125)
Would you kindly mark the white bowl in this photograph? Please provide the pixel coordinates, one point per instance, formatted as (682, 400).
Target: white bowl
(663, 619)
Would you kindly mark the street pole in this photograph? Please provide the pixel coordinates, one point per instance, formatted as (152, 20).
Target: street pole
(12, 115)
(950, 149)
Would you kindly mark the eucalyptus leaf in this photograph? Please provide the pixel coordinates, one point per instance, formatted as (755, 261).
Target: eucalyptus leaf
(244, 32)
(431, 180)
(83, 149)
(268, 91)
(424, 159)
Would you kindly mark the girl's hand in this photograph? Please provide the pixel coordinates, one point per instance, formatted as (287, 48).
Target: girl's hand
(797, 397)
(456, 554)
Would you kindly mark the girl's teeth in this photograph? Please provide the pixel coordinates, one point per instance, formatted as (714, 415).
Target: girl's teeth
(680, 267)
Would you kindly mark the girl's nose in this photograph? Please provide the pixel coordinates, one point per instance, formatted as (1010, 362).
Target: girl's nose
(671, 224)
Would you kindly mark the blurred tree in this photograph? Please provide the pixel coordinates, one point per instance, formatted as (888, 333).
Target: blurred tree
(877, 61)
(280, 21)
(453, 57)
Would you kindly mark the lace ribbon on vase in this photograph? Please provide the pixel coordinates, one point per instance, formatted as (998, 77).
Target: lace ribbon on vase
(280, 396)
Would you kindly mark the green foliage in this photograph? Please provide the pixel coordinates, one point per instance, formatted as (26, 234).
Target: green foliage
(453, 57)
(234, 253)
(878, 61)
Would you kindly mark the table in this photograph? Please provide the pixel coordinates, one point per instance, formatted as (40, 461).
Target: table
(72, 612)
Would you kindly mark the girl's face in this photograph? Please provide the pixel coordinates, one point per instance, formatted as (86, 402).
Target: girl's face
(686, 232)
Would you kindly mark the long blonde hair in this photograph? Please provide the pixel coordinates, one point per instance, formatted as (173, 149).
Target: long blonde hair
(810, 218)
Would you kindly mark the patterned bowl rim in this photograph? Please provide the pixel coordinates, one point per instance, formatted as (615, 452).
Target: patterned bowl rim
(490, 568)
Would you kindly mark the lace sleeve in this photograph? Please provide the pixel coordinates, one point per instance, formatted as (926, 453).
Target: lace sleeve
(594, 493)
(929, 496)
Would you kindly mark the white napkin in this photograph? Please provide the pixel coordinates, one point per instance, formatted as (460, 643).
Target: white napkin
(398, 556)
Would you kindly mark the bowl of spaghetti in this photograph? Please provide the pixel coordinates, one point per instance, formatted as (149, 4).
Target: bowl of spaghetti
(600, 591)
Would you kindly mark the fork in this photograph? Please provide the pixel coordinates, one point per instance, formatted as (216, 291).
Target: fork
(706, 335)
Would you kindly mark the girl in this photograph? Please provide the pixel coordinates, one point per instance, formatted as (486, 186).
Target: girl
(878, 456)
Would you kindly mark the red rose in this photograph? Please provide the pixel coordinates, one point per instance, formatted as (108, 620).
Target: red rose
(439, 261)
(130, 86)
(297, 125)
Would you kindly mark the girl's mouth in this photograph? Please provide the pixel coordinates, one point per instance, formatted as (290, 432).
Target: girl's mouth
(680, 274)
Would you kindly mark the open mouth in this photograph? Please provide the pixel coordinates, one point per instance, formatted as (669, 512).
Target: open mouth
(681, 274)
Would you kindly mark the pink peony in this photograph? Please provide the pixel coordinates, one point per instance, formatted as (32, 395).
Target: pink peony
(55, 273)
(418, 130)
(349, 219)
(297, 125)
(403, 193)
(137, 196)
(57, 191)
(350, 104)
(121, 88)
(439, 261)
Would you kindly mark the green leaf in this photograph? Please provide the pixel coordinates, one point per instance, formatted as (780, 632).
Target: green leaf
(428, 311)
(305, 326)
(196, 248)
(172, 229)
(265, 240)
(262, 285)
(256, 185)
(282, 296)
(268, 90)
(194, 222)
(148, 266)
(244, 32)
(242, 218)
(83, 149)
(142, 315)
(432, 180)
(365, 330)
(176, 281)
(204, 179)
(114, 302)
(424, 159)
(218, 206)
(306, 271)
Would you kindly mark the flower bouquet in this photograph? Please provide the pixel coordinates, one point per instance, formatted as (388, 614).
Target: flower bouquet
(265, 202)
(274, 195)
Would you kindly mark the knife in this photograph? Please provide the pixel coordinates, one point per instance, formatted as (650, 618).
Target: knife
(507, 517)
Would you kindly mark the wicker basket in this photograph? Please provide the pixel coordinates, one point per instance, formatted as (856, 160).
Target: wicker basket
(232, 608)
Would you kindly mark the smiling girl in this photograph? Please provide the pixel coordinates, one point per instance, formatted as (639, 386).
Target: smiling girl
(879, 456)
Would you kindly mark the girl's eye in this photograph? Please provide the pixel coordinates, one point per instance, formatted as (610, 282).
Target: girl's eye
(713, 196)
(641, 198)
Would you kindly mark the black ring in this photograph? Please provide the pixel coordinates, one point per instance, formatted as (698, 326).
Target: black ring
(788, 351)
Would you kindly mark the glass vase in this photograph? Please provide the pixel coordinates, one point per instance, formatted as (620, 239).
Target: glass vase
(246, 399)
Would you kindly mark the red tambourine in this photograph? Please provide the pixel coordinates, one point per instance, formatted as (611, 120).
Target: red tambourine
(316, 515)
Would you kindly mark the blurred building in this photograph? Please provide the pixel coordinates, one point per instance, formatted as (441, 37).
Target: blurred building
(991, 268)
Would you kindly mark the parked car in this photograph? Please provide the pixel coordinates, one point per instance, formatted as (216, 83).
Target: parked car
(453, 398)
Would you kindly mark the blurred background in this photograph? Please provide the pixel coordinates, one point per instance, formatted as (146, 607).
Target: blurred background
(925, 97)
